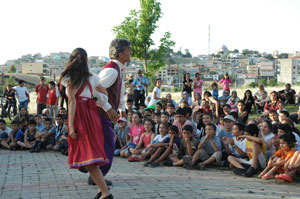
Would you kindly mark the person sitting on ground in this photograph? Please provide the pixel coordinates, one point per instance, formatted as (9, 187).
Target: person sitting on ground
(224, 98)
(266, 132)
(281, 107)
(4, 134)
(121, 132)
(185, 97)
(256, 151)
(169, 98)
(170, 151)
(181, 121)
(136, 130)
(208, 97)
(233, 101)
(165, 118)
(29, 137)
(158, 145)
(145, 140)
(280, 158)
(59, 132)
(249, 101)
(273, 117)
(208, 151)
(273, 104)
(130, 106)
(188, 146)
(205, 106)
(197, 101)
(39, 123)
(291, 168)
(16, 135)
(171, 111)
(235, 147)
(261, 101)
(243, 114)
(45, 137)
(288, 94)
(158, 107)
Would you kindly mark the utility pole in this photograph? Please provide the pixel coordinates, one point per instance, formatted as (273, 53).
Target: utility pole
(208, 40)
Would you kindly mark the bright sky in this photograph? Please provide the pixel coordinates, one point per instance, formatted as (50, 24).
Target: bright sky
(32, 26)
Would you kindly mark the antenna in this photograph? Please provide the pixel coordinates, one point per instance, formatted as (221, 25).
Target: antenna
(208, 40)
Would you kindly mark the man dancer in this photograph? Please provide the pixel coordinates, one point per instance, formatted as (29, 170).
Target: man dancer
(111, 78)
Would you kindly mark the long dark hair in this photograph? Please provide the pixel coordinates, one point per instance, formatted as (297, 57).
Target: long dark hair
(251, 96)
(77, 68)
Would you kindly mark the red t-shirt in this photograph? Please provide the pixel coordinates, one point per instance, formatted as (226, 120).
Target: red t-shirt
(52, 96)
(42, 93)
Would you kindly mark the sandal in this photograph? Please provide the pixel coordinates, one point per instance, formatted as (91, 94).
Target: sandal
(286, 177)
(278, 176)
(261, 175)
(266, 177)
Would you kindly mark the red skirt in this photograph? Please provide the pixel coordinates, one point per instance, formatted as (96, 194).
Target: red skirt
(88, 148)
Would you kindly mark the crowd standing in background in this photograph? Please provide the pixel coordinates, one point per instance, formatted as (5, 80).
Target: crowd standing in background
(201, 129)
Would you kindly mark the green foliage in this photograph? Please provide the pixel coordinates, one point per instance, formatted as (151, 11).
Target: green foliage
(10, 81)
(253, 85)
(269, 56)
(247, 52)
(273, 82)
(12, 69)
(175, 89)
(138, 28)
(263, 81)
(283, 56)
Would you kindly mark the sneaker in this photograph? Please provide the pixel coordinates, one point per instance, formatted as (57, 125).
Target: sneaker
(200, 166)
(153, 164)
(146, 164)
(187, 160)
(168, 163)
(251, 172)
(83, 170)
(238, 171)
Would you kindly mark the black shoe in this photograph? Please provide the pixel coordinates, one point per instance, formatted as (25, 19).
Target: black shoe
(146, 164)
(239, 171)
(108, 182)
(251, 172)
(32, 150)
(110, 196)
(153, 164)
(83, 170)
(168, 163)
(99, 194)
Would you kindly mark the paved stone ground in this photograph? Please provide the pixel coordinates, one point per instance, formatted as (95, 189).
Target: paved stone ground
(45, 175)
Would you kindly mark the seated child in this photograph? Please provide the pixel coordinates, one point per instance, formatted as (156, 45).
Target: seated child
(208, 152)
(256, 150)
(64, 137)
(121, 132)
(273, 117)
(59, 131)
(291, 167)
(165, 118)
(277, 161)
(181, 121)
(158, 145)
(235, 147)
(29, 138)
(45, 136)
(145, 139)
(188, 146)
(39, 123)
(173, 143)
(4, 134)
(242, 112)
(136, 130)
(171, 111)
(16, 135)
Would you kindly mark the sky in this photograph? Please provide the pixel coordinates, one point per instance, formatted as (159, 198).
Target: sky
(45, 26)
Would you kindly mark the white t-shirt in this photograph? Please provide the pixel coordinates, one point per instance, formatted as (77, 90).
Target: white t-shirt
(158, 91)
(21, 93)
(6, 130)
(159, 138)
(240, 144)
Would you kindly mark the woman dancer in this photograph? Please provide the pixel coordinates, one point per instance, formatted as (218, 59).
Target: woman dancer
(86, 141)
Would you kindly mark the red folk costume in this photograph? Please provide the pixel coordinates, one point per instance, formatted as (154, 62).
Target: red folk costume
(88, 148)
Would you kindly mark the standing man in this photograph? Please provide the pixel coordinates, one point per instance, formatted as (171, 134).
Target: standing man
(41, 91)
(111, 78)
(23, 95)
(140, 83)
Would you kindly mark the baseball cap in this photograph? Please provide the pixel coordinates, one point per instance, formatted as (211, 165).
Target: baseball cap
(122, 119)
(150, 107)
(229, 117)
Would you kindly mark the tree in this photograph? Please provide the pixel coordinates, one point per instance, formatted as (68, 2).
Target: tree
(283, 56)
(236, 51)
(138, 28)
(12, 69)
(187, 53)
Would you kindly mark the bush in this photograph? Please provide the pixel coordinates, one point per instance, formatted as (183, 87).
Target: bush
(175, 89)
(10, 81)
(253, 84)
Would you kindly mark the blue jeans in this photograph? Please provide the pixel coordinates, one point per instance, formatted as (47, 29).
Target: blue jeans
(117, 152)
(23, 104)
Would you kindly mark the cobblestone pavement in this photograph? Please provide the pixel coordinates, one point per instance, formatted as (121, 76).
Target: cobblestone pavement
(45, 175)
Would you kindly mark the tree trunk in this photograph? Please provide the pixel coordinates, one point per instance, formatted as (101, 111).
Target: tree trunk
(146, 69)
